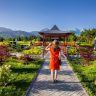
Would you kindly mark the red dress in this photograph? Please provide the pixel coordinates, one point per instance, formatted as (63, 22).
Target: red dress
(54, 60)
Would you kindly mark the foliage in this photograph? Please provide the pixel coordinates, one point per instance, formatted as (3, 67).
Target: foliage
(26, 58)
(3, 52)
(20, 78)
(15, 47)
(1, 39)
(72, 37)
(19, 46)
(4, 43)
(94, 52)
(87, 75)
(72, 51)
(10, 91)
(5, 73)
(86, 52)
(87, 35)
(34, 50)
(86, 45)
(24, 42)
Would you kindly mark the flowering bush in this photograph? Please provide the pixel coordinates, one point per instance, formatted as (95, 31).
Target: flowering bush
(26, 58)
(86, 52)
(3, 52)
(5, 72)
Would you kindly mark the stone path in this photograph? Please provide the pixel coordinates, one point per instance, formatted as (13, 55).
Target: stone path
(67, 85)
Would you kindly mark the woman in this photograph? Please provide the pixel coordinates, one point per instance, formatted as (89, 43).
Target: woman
(55, 58)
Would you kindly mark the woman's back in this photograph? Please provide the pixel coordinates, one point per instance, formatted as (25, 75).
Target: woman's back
(54, 61)
(54, 52)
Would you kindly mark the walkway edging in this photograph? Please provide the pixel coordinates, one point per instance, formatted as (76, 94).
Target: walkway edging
(33, 80)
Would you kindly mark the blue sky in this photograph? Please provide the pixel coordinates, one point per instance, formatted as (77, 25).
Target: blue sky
(29, 15)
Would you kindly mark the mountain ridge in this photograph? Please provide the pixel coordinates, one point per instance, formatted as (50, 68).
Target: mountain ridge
(9, 33)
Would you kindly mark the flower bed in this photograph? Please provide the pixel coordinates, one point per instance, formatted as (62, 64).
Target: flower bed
(3, 52)
(17, 77)
(86, 74)
(86, 52)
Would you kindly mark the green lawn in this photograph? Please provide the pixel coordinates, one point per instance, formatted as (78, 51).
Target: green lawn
(20, 78)
(86, 74)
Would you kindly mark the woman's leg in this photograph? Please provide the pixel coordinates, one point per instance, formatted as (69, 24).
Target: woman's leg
(52, 74)
(55, 75)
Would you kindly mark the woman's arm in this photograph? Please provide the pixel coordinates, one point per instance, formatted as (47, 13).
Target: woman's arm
(48, 47)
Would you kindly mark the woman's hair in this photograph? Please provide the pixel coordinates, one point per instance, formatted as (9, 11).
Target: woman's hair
(55, 45)
(55, 42)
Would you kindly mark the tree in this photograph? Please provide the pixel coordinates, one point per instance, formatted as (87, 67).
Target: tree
(1, 39)
(87, 35)
(72, 37)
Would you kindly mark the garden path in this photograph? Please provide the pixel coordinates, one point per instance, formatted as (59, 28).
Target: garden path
(67, 85)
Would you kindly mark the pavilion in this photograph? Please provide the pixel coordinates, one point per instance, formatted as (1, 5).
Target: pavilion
(54, 33)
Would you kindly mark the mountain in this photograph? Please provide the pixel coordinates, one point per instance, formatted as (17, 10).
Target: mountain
(8, 33)
(2, 29)
(45, 29)
(76, 31)
(34, 33)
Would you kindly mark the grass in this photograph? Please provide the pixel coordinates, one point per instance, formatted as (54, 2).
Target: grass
(21, 77)
(86, 74)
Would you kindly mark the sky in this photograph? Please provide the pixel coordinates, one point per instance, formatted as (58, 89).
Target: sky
(35, 15)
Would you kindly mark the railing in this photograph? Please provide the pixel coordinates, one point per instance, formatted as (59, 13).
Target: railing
(61, 44)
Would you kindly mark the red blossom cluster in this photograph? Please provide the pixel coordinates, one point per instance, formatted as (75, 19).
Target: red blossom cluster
(27, 58)
(86, 53)
(4, 52)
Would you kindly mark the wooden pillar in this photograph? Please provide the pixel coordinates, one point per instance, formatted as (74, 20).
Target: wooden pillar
(64, 40)
(43, 47)
(66, 45)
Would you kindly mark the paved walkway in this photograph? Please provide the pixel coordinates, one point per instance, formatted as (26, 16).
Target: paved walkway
(68, 84)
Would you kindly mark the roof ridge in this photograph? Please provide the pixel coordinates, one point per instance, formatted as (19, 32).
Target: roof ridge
(55, 28)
